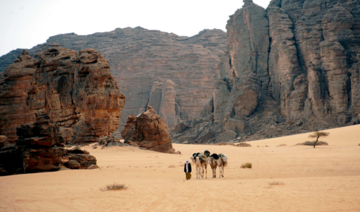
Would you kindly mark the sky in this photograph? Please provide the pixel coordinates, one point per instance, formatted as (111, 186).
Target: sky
(27, 23)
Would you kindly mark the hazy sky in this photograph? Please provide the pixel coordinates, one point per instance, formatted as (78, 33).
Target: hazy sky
(26, 23)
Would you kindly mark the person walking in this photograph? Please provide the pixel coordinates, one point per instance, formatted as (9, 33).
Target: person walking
(187, 170)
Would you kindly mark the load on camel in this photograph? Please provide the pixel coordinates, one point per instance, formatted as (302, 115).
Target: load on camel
(201, 161)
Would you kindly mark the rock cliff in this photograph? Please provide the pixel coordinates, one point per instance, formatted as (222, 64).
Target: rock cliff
(291, 68)
(148, 130)
(174, 73)
(76, 91)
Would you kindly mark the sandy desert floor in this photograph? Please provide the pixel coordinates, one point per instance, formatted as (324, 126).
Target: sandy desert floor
(290, 178)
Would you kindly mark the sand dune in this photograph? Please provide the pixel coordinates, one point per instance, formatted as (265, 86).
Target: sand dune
(290, 178)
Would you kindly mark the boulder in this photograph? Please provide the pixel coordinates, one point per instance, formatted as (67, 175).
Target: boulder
(42, 159)
(37, 149)
(84, 160)
(235, 125)
(148, 130)
(179, 128)
(77, 158)
(72, 164)
(226, 136)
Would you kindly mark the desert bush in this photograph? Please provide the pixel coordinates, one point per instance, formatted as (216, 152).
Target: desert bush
(224, 143)
(242, 144)
(281, 145)
(172, 166)
(246, 165)
(311, 143)
(114, 187)
(276, 183)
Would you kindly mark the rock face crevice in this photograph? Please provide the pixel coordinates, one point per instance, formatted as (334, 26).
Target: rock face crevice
(292, 68)
(75, 89)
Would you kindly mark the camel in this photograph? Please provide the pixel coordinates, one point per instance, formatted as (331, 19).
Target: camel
(219, 160)
(212, 161)
(222, 162)
(201, 163)
(197, 159)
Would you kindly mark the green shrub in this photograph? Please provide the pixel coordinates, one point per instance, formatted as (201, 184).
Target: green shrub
(246, 165)
(114, 187)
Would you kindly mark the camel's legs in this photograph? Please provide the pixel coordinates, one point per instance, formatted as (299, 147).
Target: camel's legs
(214, 171)
(205, 171)
(202, 171)
(197, 172)
(221, 171)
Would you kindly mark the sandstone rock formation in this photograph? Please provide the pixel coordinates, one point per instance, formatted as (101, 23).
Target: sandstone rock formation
(175, 73)
(78, 159)
(291, 68)
(149, 131)
(76, 90)
(39, 148)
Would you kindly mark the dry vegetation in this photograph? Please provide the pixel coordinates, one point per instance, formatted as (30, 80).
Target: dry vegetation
(242, 144)
(276, 183)
(281, 145)
(225, 143)
(114, 187)
(246, 165)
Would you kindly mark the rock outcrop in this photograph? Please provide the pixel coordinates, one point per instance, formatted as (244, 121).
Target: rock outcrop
(39, 148)
(77, 158)
(148, 130)
(76, 90)
(291, 68)
(175, 71)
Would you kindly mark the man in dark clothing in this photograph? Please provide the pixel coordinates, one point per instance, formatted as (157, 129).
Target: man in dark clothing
(187, 170)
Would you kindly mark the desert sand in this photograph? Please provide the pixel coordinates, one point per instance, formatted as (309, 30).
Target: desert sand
(288, 178)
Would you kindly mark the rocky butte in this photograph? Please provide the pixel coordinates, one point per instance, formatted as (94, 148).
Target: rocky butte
(74, 89)
(148, 130)
(174, 74)
(291, 68)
